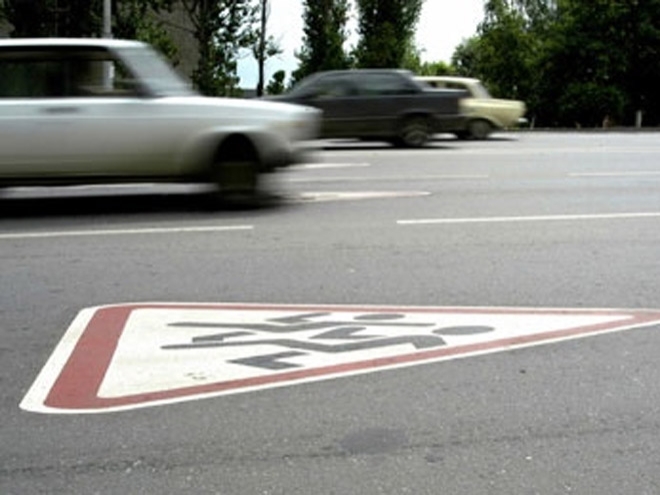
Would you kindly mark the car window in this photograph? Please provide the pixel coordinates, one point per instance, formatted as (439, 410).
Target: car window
(378, 84)
(455, 85)
(66, 74)
(154, 72)
(331, 86)
(337, 88)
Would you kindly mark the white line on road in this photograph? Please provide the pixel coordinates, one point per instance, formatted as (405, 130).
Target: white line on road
(616, 174)
(324, 165)
(539, 218)
(85, 233)
(388, 178)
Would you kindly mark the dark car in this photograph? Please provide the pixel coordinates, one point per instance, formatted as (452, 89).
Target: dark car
(385, 104)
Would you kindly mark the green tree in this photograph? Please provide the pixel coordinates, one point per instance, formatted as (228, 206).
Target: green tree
(465, 59)
(136, 19)
(276, 85)
(221, 28)
(506, 53)
(386, 29)
(584, 62)
(324, 36)
(439, 68)
(48, 18)
(132, 19)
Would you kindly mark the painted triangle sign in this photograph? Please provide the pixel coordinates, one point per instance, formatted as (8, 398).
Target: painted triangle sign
(137, 355)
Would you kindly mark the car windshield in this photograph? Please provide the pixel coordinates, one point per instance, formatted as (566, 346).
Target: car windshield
(154, 72)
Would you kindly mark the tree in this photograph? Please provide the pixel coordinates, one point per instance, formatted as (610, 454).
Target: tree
(221, 29)
(324, 35)
(264, 47)
(132, 19)
(136, 19)
(506, 52)
(589, 65)
(48, 18)
(466, 57)
(386, 29)
(276, 84)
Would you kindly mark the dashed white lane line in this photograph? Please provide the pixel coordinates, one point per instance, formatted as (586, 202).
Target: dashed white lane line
(322, 165)
(536, 218)
(629, 173)
(395, 178)
(346, 196)
(139, 231)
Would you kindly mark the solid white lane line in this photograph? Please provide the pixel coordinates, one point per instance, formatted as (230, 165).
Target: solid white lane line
(537, 218)
(139, 231)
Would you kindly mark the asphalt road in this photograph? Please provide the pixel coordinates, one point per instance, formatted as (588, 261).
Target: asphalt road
(528, 222)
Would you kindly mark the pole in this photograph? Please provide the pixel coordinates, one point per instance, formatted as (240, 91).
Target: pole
(107, 19)
(107, 33)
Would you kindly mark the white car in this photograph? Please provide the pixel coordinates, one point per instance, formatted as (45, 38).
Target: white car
(76, 111)
(483, 113)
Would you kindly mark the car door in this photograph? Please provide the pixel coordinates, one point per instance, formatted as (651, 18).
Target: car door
(35, 132)
(119, 131)
(77, 113)
(383, 97)
(336, 95)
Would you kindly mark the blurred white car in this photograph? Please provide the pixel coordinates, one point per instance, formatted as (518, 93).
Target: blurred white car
(78, 111)
(483, 113)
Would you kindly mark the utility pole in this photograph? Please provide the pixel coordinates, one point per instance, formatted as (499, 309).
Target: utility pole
(107, 33)
(107, 19)
(261, 51)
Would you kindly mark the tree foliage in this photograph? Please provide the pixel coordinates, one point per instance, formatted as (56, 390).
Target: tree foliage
(131, 19)
(276, 85)
(386, 30)
(135, 19)
(324, 36)
(49, 18)
(575, 63)
(221, 28)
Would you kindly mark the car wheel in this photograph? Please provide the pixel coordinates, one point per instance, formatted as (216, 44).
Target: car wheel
(479, 129)
(414, 132)
(235, 169)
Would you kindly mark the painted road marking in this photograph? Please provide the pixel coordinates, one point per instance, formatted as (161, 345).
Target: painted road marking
(355, 195)
(137, 231)
(128, 356)
(630, 173)
(392, 178)
(534, 218)
(326, 165)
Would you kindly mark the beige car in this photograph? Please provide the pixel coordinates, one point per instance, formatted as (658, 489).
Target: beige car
(484, 113)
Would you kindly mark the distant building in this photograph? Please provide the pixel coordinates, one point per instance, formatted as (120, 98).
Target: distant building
(181, 31)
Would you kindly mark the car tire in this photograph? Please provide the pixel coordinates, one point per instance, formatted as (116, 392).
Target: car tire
(479, 129)
(235, 170)
(414, 132)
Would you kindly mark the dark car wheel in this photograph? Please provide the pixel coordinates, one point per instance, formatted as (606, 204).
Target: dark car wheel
(479, 129)
(414, 132)
(235, 169)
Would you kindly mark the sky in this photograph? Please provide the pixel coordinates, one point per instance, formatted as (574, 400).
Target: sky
(442, 26)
